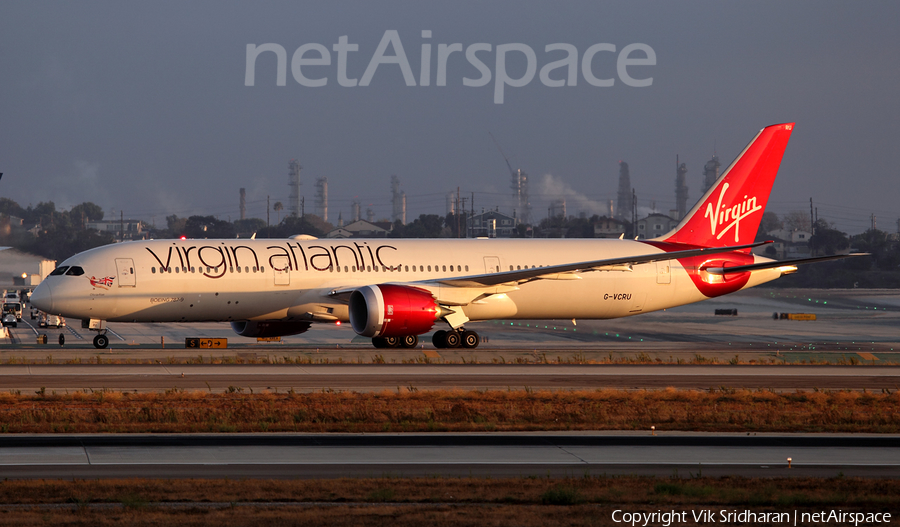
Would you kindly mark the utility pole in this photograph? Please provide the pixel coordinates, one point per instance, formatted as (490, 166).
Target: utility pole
(461, 208)
(457, 212)
(812, 223)
(472, 215)
(268, 208)
(633, 214)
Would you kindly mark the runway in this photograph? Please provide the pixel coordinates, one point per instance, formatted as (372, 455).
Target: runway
(377, 377)
(502, 455)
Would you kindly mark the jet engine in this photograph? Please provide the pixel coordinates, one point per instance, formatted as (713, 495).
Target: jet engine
(388, 310)
(269, 328)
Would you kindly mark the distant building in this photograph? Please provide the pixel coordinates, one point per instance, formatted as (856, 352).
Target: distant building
(491, 224)
(606, 227)
(655, 225)
(15, 263)
(794, 243)
(359, 229)
(123, 229)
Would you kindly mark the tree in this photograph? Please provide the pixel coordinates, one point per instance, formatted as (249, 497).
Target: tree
(278, 207)
(425, 226)
(769, 222)
(796, 221)
(208, 227)
(828, 240)
(249, 225)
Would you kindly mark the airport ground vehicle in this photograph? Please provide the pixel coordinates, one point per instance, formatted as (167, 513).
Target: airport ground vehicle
(9, 319)
(13, 306)
(395, 290)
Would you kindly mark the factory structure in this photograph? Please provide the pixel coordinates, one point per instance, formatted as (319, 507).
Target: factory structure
(620, 215)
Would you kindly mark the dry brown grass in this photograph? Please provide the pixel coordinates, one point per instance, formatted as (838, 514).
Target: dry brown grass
(420, 501)
(450, 411)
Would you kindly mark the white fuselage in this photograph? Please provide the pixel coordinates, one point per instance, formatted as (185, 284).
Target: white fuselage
(233, 280)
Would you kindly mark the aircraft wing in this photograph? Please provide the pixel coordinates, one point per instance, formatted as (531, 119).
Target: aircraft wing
(465, 289)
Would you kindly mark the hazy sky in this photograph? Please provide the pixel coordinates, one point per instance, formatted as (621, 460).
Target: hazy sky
(142, 106)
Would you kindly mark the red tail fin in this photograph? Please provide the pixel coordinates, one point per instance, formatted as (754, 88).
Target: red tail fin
(730, 212)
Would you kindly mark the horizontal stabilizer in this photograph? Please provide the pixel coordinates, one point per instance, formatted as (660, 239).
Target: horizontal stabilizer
(779, 263)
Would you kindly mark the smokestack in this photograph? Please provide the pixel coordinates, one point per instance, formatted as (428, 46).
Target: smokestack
(681, 189)
(322, 197)
(624, 203)
(294, 182)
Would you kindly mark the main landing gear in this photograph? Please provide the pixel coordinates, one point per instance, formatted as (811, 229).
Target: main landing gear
(442, 339)
(408, 341)
(455, 338)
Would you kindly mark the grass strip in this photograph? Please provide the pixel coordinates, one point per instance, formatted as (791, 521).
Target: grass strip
(531, 501)
(408, 410)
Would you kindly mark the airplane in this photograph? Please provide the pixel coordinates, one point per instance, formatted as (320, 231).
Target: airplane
(393, 290)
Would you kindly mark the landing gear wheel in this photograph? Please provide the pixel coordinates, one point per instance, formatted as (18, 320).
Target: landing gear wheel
(470, 339)
(438, 339)
(409, 341)
(392, 342)
(101, 341)
(452, 339)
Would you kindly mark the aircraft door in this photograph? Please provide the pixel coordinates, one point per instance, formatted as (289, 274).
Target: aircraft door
(281, 266)
(125, 270)
(491, 264)
(663, 272)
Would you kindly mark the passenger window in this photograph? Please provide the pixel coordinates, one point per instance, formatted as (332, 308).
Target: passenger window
(444, 268)
(369, 269)
(429, 268)
(176, 270)
(152, 270)
(467, 268)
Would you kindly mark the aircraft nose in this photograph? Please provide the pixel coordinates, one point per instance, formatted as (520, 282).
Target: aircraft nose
(41, 298)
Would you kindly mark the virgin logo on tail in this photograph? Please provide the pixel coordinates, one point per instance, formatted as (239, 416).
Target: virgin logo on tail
(729, 217)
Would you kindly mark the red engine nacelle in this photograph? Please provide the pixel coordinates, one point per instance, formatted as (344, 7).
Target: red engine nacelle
(392, 311)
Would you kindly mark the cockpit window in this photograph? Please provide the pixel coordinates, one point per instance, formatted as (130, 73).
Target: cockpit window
(60, 270)
(75, 271)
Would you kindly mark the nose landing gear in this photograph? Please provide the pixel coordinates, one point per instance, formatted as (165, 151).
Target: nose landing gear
(101, 341)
